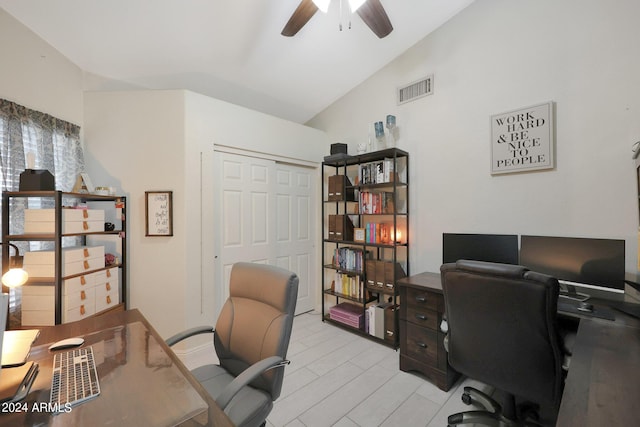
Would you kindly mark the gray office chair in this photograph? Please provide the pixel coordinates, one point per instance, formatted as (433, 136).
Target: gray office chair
(502, 331)
(251, 337)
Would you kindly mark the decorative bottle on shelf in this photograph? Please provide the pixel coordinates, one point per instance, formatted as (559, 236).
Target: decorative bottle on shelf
(391, 125)
(380, 143)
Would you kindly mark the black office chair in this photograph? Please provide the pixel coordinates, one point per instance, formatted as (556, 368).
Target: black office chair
(251, 338)
(502, 331)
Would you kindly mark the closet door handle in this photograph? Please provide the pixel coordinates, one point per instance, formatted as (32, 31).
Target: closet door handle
(421, 317)
(421, 344)
(421, 299)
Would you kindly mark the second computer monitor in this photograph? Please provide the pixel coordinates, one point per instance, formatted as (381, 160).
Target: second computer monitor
(583, 261)
(501, 248)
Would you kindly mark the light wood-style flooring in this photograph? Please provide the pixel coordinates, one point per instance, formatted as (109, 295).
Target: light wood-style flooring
(339, 379)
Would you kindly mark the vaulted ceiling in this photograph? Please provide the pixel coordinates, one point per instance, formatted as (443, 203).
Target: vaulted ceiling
(231, 50)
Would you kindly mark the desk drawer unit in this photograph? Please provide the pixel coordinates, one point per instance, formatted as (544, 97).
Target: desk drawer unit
(421, 340)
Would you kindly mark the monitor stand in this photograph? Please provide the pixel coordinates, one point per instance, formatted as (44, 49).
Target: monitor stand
(572, 294)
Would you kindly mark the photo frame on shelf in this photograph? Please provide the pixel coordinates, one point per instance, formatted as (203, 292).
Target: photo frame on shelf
(158, 207)
(83, 184)
(359, 235)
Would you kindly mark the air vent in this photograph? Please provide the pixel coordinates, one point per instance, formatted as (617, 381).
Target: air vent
(415, 90)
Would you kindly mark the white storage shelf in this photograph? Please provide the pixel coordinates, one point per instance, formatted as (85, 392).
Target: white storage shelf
(82, 296)
(69, 283)
(74, 221)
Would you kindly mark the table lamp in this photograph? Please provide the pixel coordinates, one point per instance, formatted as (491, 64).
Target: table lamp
(15, 276)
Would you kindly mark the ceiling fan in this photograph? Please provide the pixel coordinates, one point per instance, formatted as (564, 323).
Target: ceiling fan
(371, 11)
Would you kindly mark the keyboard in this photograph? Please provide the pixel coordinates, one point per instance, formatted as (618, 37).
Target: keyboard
(74, 379)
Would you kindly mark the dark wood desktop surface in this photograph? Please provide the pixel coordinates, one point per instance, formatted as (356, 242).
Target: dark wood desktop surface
(142, 381)
(602, 387)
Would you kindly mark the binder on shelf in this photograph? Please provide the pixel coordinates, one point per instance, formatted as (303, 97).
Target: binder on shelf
(340, 227)
(340, 189)
(380, 270)
(370, 266)
(382, 275)
(390, 317)
(392, 272)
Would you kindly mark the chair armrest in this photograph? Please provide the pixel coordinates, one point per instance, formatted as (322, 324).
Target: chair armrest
(247, 376)
(189, 333)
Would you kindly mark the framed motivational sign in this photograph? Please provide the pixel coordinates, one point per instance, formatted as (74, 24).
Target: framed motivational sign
(158, 213)
(523, 140)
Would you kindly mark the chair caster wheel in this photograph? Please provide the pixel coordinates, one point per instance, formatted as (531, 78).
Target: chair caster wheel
(466, 398)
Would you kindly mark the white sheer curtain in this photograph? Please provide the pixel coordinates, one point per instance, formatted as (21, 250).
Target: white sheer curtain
(54, 145)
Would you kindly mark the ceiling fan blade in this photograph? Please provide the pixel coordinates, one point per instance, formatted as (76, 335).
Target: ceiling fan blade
(305, 10)
(373, 14)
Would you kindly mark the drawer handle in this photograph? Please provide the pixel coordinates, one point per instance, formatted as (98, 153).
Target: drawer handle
(421, 317)
(421, 344)
(108, 299)
(108, 286)
(421, 299)
(83, 281)
(83, 295)
(86, 265)
(82, 310)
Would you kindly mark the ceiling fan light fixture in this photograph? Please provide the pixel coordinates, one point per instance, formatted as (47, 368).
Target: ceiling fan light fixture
(355, 4)
(323, 5)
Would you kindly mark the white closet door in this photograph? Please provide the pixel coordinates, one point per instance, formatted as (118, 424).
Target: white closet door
(265, 213)
(295, 225)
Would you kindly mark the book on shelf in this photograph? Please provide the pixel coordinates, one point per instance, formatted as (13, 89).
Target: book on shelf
(376, 324)
(347, 285)
(347, 258)
(378, 172)
(379, 233)
(376, 202)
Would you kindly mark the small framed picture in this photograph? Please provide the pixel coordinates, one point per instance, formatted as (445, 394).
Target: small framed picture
(158, 206)
(358, 235)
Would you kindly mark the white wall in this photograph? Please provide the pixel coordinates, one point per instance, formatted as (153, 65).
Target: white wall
(496, 56)
(134, 141)
(37, 76)
(157, 140)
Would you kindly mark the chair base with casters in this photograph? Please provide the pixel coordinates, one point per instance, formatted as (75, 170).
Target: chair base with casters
(494, 414)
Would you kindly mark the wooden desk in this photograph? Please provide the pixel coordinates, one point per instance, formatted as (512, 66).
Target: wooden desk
(603, 384)
(142, 381)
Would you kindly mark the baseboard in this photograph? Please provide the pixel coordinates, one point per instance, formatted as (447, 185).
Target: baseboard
(197, 356)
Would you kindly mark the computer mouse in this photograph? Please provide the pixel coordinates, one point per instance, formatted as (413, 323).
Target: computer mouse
(66, 343)
(585, 306)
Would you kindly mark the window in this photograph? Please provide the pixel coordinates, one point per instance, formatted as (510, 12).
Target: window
(31, 139)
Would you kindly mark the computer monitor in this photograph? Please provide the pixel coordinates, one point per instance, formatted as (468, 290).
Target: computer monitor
(501, 248)
(583, 262)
